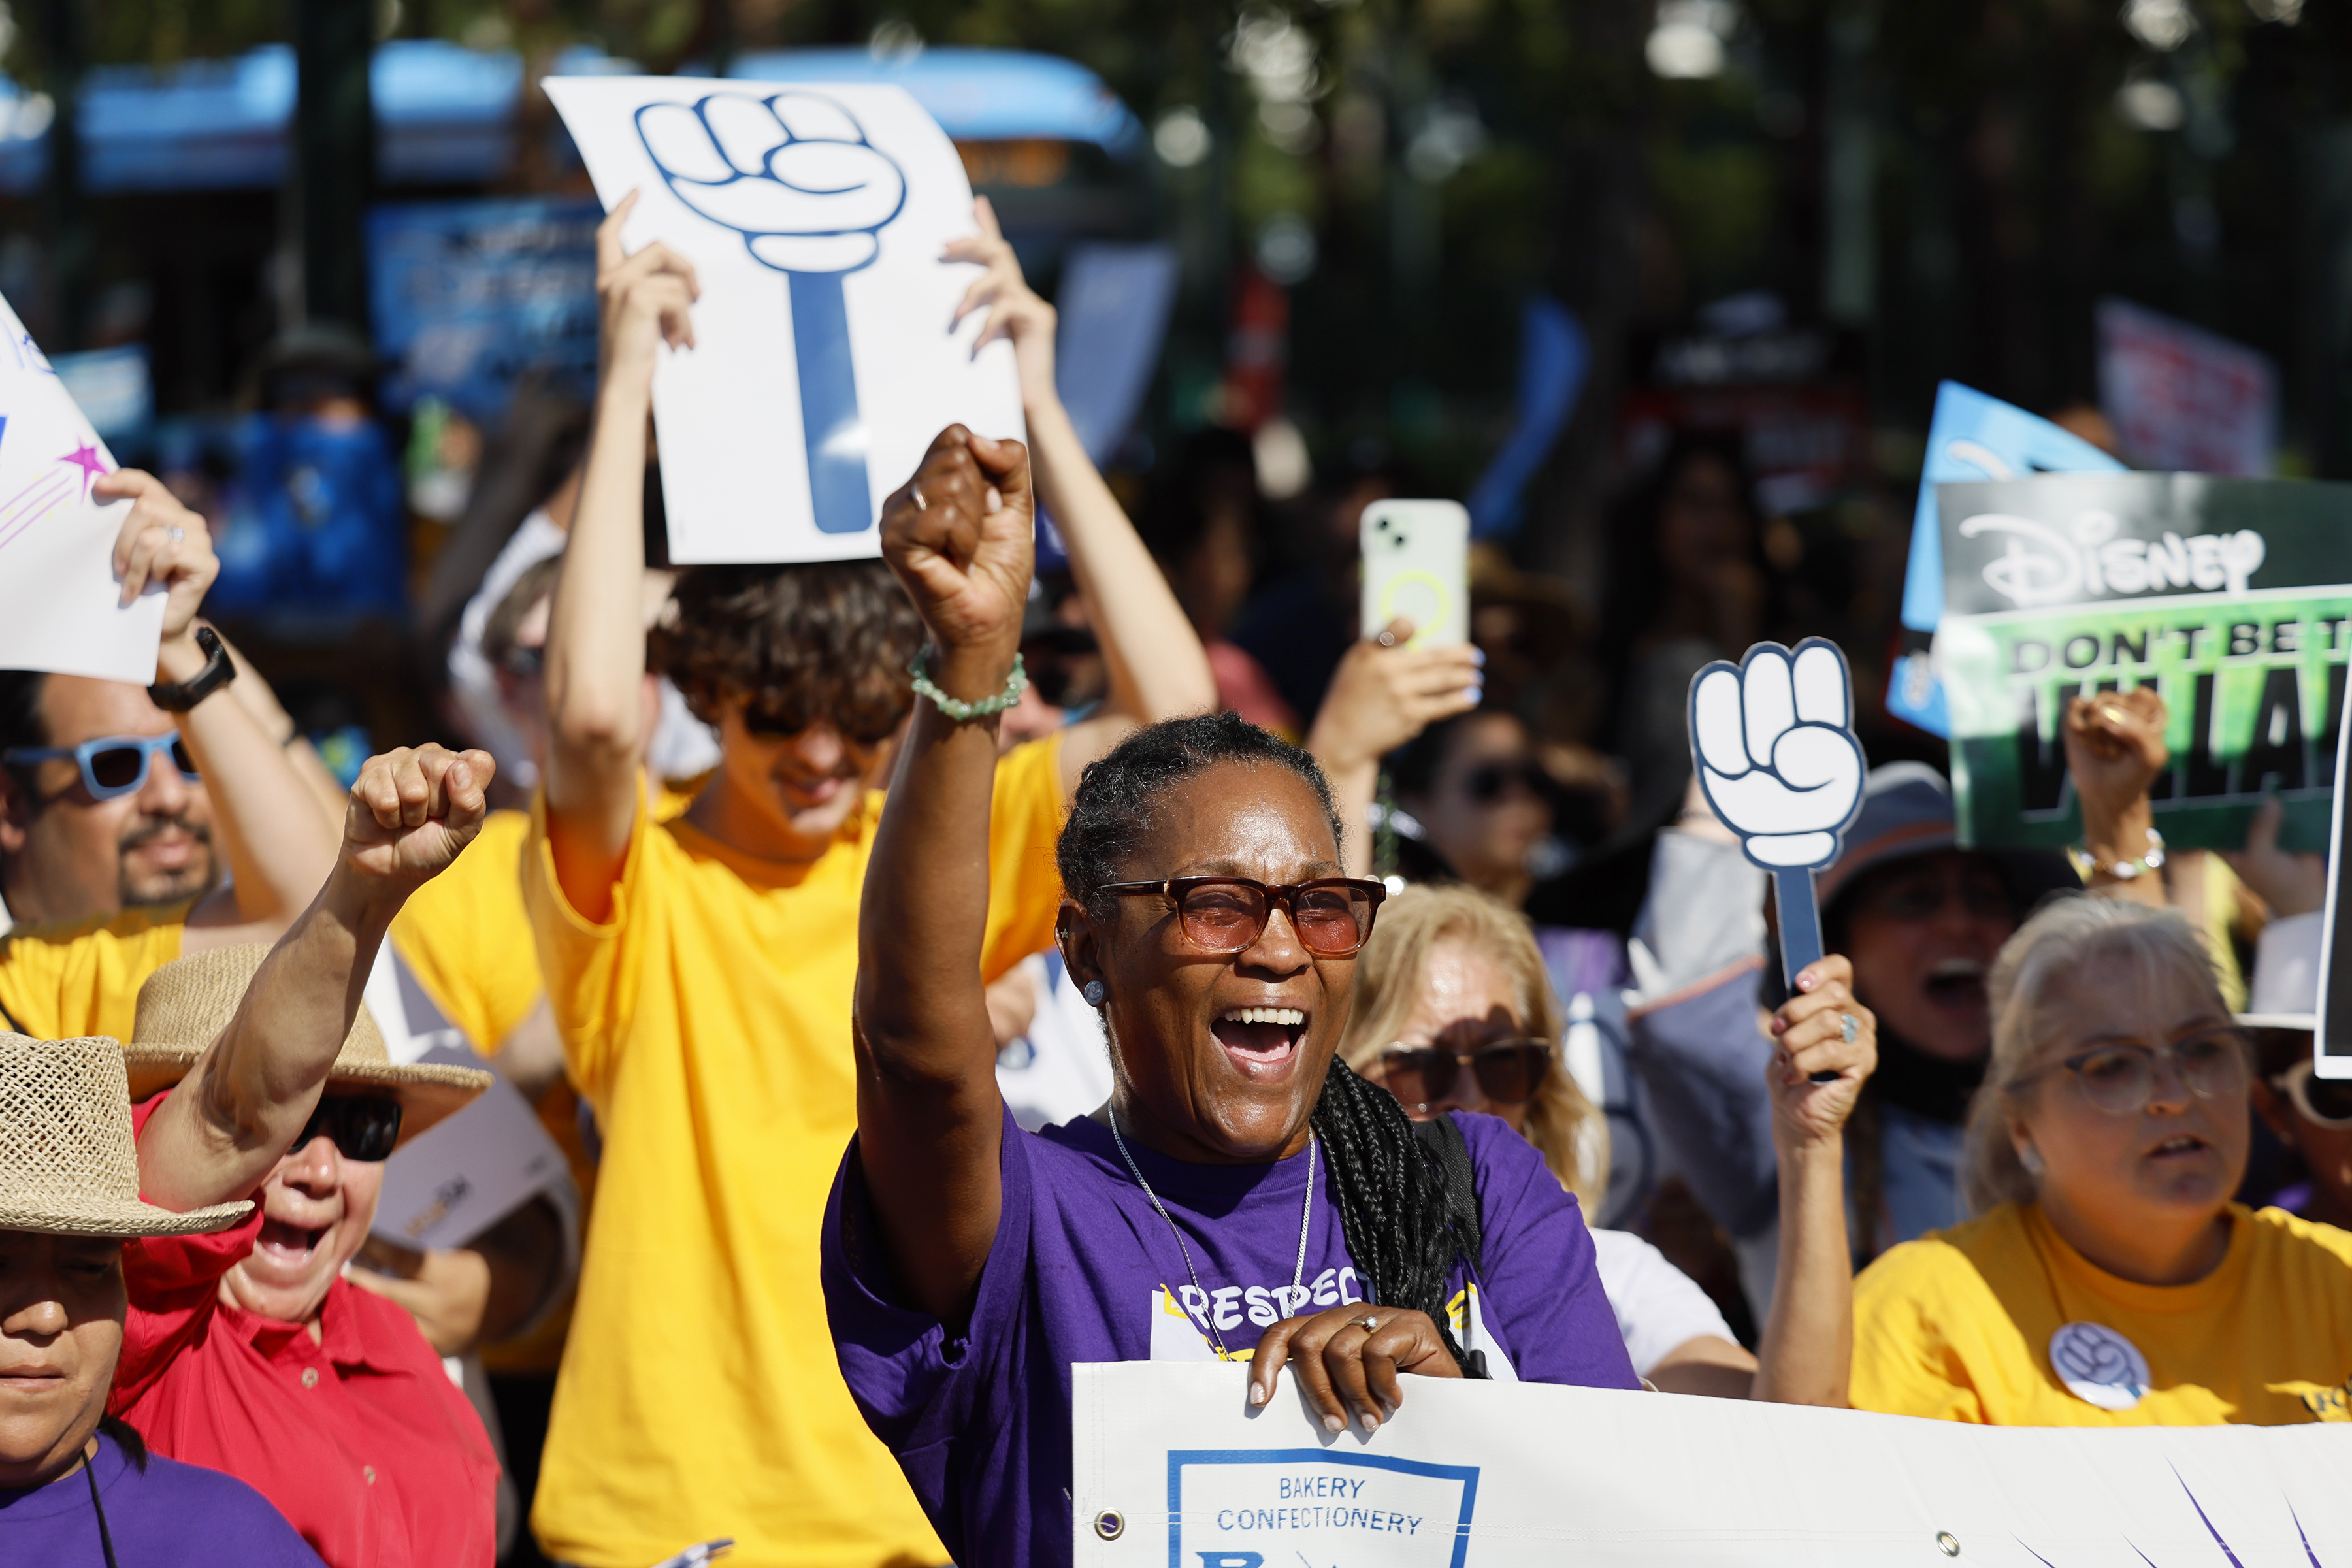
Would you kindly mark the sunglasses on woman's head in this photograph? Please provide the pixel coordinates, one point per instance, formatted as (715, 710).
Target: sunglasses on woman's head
(2321, 1101)
(1508, 1071)
(111, 765)
(1332, 915)
(364, 1126)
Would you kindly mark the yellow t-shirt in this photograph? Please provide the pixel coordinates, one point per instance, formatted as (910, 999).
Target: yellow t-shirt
(61, 982)
(1959, 1325)
(467, 937)
(707, 1023)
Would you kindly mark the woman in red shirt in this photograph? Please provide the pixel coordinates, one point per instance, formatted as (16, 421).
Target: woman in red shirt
(244, 1351)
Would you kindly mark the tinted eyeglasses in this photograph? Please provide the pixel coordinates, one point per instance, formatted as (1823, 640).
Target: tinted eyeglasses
(364, 1126)
(2321, 1101)
(1332, 915)
(864, 720)
(1489, 781)
(111, 765)
(2121, 1079)
(1508, 1071)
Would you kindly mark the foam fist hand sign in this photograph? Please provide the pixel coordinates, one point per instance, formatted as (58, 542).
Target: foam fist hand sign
(794, 176)
(1774, 752)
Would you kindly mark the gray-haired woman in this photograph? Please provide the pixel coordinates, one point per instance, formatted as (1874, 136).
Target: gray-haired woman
(2106, 1278)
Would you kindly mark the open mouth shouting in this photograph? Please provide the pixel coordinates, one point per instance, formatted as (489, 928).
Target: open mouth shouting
(289, 1249)
(1261, 1042)
(1956, 983)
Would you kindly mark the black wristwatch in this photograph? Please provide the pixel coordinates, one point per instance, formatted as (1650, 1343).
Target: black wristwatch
(179, 695)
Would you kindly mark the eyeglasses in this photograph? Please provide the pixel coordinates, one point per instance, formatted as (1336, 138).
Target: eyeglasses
(2120, 1080)
(863, 720)
(2321, 1101)
(111, 765)
(1332, 915)
(1508, 1072)
(1486, 784)
(364, 1126)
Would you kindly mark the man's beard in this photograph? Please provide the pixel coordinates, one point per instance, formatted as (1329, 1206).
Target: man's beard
(193, 880)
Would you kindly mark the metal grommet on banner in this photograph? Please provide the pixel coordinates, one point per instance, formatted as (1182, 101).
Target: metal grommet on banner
(1110, 1524)
(1947, 1543)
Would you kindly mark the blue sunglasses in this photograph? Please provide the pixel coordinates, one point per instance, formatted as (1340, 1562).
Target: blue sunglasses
(111, 765)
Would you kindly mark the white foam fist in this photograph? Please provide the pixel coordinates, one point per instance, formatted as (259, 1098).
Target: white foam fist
(1775, 756)
(791, 173)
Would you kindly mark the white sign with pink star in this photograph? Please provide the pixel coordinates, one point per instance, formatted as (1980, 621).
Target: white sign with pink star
(61, 606)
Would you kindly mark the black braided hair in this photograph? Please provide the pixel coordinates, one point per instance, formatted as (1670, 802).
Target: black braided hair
(1389, 1189)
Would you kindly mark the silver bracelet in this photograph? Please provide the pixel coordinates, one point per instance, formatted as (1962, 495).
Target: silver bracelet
(955, 708)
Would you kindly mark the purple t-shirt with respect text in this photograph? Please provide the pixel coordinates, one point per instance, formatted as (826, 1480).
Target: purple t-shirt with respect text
(1084, 1269)
(160, 1517)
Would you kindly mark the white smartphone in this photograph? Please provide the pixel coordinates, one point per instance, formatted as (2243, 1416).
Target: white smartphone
(1417, 565)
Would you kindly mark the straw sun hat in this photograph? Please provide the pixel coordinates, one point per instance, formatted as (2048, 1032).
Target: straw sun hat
(68, 1163)
(186, 1004)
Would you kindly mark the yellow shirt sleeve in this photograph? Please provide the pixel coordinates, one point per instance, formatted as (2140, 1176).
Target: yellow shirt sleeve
(1024, 889)
(62, 982)
(1907, 1359)
(591, 984)
(467, 936)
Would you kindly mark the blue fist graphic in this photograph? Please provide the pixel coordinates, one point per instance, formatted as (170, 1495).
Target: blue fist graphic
(794, 176)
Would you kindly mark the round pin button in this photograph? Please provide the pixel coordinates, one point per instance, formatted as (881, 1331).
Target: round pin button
(2098, 1365)
(309, 1377)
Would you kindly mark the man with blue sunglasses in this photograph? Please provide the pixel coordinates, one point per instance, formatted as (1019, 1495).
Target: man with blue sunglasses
(123, 807)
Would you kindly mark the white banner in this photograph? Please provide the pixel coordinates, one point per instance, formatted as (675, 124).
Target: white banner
(1174, 1471)
(60, 601)
(814, 216)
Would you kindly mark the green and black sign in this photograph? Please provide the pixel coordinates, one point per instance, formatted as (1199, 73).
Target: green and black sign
(2233, 598)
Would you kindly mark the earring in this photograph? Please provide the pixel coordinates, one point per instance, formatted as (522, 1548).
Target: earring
(2030, 1158)
(1094, 992)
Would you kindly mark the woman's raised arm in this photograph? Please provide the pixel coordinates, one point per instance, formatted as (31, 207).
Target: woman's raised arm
(928, 1116)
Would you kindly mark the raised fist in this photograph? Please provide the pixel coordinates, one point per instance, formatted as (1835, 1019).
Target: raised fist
(412, 811)
(793, 174)
(1775, 756)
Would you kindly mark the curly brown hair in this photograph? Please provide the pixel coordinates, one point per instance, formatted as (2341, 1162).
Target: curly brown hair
(829, 639)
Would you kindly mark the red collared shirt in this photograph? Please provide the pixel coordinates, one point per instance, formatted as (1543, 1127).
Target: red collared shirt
(361, 1439)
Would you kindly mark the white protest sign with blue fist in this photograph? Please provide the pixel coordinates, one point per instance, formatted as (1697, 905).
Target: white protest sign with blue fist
(1772, 742)
(814, 216)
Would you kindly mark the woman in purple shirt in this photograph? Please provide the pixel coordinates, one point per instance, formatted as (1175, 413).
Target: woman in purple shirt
(1242, 1195)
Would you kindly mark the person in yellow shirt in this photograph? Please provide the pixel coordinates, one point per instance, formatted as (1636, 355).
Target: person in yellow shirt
(466, 941)
(701, 970)
(121, 807)
(2107, 1278)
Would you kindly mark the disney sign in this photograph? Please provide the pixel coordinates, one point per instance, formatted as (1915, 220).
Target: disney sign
(2085, 559)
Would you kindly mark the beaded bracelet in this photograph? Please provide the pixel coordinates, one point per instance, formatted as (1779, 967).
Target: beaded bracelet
(2086, 866)
(957, 709)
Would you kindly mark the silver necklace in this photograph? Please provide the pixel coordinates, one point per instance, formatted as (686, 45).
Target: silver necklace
(1306, 1218)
